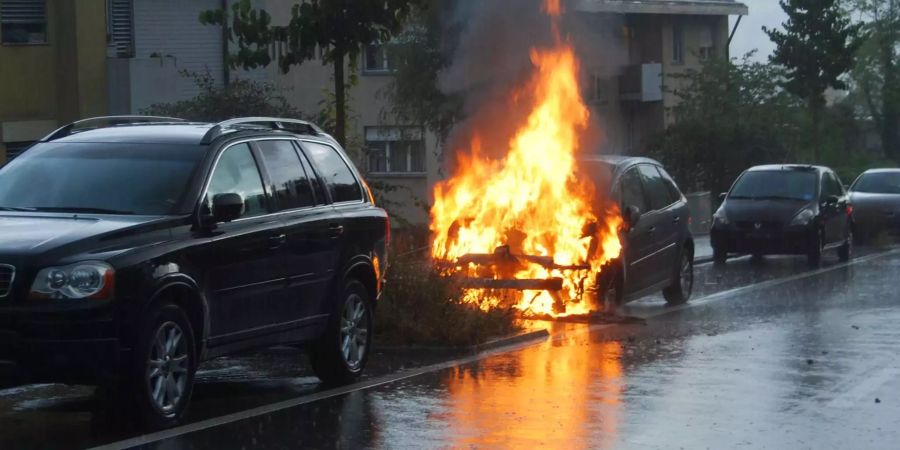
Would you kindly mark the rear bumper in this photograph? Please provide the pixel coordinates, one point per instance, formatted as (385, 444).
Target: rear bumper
(56, 348)
(791, 241)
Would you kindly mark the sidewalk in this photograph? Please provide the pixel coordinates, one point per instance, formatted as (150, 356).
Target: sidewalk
(702, 250)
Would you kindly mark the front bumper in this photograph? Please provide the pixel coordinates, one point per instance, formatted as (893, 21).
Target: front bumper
(782, 241)
(60, 346)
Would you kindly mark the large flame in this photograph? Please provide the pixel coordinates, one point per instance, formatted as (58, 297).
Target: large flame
(530, 199)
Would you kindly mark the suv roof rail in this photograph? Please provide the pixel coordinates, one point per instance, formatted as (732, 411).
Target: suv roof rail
(269, 123)
(109, 121)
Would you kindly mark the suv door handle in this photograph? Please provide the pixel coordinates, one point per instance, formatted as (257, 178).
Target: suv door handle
(277, 241)
(677, 219)
(335, 231)
(651, 230)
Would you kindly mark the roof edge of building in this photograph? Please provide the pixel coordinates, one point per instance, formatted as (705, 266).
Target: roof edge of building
(716, 8)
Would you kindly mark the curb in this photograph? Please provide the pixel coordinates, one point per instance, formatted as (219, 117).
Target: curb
(465, 349)
(702, 260)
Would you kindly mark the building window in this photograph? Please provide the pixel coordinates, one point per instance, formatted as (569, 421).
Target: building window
(395, 150)
(706, 44)
(677, 44)
(120, 27)
(23, 22)
(378, 59)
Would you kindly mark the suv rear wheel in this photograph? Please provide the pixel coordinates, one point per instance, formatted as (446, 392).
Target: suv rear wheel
(340, 355)
(680, 291)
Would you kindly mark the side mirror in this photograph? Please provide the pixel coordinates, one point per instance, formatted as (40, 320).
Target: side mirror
(227, 207)
(632, 216)
(722, 196)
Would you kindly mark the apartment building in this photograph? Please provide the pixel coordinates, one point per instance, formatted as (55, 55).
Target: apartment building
(52, 67)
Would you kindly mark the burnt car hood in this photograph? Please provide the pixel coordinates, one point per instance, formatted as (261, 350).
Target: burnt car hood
(741, 210)
(26, 234)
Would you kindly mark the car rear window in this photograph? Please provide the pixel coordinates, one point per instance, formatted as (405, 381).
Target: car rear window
(878, 183)
(775, 185)
(341, 183)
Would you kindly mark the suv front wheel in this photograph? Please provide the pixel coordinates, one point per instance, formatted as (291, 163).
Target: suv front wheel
(160, 378)
(340, 355)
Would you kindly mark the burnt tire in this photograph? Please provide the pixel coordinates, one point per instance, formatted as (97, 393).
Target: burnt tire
(340, 355)
(679, 292)
(159, 377)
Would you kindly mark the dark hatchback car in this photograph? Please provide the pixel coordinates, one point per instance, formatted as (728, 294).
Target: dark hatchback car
(784, 210)
(130, 252)
(875, 196)
(658, 249)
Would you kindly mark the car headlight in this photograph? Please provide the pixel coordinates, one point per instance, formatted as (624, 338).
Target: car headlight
(720, 218)
(92, 279)
(803, 217)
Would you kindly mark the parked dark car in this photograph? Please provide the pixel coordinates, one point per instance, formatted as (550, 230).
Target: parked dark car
(133, 248)
(658, 249)
(784, 210)
(875, 196)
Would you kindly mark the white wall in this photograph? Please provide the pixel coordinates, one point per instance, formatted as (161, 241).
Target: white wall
(172, 27)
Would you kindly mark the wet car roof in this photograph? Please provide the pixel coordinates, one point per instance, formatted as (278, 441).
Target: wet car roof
(788, 167)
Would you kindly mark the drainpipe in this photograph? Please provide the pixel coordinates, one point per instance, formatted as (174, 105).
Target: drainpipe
(734, 30)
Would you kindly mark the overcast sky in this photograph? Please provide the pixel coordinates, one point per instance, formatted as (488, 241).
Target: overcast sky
(749, 35)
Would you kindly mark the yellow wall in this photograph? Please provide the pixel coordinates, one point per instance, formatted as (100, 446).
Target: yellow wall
(62, 80)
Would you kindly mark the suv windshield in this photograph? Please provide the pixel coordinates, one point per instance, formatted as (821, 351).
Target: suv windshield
(878, 183)
(113, 178)
(775, 185)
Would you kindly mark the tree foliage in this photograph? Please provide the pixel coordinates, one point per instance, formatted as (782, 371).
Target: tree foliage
(816, 47)
(423, 50)
(340, 29)
(240, 98)
(730, 117)
(875, 79)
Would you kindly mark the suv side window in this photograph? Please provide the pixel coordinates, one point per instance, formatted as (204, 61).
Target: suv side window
(654, 185)
(290, 184)
(237, 173)
(340, 181)
(632, 191)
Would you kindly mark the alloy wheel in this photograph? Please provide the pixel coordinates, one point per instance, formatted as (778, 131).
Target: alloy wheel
(354, 331)
(167, 367)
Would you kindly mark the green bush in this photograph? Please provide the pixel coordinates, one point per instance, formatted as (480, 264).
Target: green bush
(422, 307)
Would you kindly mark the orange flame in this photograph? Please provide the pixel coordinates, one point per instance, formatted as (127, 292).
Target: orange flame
(530, 199)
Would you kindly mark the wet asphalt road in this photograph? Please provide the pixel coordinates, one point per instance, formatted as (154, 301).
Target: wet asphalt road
(770, 354)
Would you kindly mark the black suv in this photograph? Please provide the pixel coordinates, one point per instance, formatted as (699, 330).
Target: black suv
(658, 249)
(784, 209)
(133, 248)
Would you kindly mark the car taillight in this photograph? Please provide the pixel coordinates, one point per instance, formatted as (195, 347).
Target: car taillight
(387, 230)
(849, 209)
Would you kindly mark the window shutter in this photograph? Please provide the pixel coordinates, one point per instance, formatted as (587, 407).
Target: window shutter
(121, 27)
(23, 11)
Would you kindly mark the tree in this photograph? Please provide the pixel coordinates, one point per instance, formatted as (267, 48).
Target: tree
(240, 98)
(423, 50)
(340, 29)
(816, 47)
(876, 76)
(731, 116)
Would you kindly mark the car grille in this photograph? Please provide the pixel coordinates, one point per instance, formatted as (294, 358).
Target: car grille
(763, 226)
(7, 275)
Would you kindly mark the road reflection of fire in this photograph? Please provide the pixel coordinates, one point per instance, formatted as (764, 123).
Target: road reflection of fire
(530, 201)
(549, 396)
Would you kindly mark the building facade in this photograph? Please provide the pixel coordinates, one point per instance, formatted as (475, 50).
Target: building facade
(52, 67)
